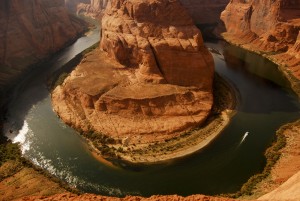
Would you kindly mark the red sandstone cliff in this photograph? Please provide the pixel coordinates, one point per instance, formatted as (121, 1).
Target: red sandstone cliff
(159, 38)
(206, 14)
(93, 9)
(31, 31)
(91, 197)
(72, 4)
(269, 27)
(205, 11)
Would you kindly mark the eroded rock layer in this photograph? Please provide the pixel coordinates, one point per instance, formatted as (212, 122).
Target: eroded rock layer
(31, 31)
(269, 27)
(161, 86)
(72, 4)
(92, 197)
(93, 9)
(160, 39)
(206, 14)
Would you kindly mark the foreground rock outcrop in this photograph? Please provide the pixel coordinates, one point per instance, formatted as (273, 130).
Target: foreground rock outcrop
(268, 27)
(87, 197)
(283, 183)
(160, 87)
(30, 32)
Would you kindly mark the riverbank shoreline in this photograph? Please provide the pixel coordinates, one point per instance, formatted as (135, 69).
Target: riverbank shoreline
(275, 58)
(287, 165)
(283, 162)
(19, 176)
(7, 96)
(280, 151)
(226, 99)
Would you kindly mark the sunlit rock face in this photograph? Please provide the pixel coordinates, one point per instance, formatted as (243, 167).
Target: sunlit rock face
(160, 38)
(90, 8)
(269, 27)
(206, 14)
(94, 9)
(72, 4)
(157, 82)
(31, 31)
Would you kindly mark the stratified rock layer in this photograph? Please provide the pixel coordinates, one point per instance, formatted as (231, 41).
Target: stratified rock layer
(206, 14)
(31, 31)
(269, 27)
(161, 86)
(93, 9)
(205, 11)
(72, 4)
(91, 197)
(160, 39)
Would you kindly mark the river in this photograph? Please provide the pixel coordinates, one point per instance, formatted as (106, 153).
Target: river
(266, 103)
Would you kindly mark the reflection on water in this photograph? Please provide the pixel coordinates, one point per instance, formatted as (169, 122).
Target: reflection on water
(266, 103)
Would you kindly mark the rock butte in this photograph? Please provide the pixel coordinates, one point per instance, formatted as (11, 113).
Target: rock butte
(161, 85)
(270, 28)
(205, 13)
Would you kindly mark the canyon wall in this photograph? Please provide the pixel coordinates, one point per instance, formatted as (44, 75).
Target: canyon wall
(269, 27)
(31, 31)
(206, 14)
(93, 9)
(90, 8)
(205, 11)
(72, 4)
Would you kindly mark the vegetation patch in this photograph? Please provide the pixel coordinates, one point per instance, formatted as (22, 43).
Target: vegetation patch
(11, 162)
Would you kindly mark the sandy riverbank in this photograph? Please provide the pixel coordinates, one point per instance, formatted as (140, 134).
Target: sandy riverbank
(288, 165)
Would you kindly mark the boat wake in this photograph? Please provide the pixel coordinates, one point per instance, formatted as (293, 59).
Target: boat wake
(20, 137)
(244, 137)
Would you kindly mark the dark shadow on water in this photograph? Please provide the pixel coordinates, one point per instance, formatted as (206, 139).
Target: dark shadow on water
(265, 79)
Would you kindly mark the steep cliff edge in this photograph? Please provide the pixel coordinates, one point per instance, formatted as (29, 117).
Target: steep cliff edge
(93, 9)
(206, 14)
(30, 32)
(160, 87)
(72, 4)
(268, 27)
